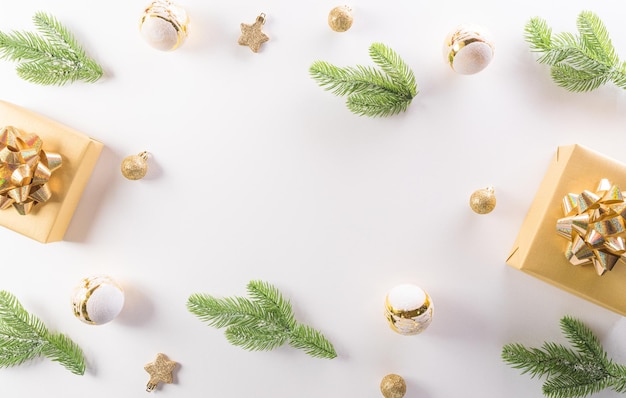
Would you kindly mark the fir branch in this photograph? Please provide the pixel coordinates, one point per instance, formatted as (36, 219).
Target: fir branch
(578, 63)
(264, 322)
(229, 311)
(256, 339)
(311, 341)
(370, 92)
(569, 373)
(273, 302)
(52, 57)
(63, 350)
(583, 339)
(395, 67)
(23, 337)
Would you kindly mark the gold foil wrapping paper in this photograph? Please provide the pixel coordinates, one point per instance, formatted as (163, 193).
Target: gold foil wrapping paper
(539, 250)
(25, 169)
(48, 222)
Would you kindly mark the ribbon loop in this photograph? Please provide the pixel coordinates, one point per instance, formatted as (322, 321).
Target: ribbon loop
(25, 170)
(595, 225)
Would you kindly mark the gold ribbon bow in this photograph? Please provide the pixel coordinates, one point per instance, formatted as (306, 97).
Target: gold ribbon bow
(594, 224)
(25, 170)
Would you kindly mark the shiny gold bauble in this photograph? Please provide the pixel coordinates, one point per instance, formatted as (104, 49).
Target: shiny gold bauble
(483, 201)
(340, 18)
(393, 386)
(135, 167)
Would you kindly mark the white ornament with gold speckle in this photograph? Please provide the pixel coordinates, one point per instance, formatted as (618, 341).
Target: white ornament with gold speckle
(97, 300)
(469, 49)
(164, 25)
(408, 309)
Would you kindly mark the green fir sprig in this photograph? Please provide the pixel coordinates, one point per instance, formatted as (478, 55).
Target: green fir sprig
(52, 57)
(578, 63)
(370, 91)
(569, 373)
(24, 337)
(263, 322)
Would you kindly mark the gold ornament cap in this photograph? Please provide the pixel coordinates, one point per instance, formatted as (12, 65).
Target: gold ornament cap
(393, 386)
(483, 201)
(97, 300)
(164, 25)
(135, 167)
(408, 309)
(340, 18)
(469, 49)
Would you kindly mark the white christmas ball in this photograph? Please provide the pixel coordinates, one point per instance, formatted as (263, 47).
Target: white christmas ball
(469, 49)
(97, 300)
(164, 25)
(408, 309)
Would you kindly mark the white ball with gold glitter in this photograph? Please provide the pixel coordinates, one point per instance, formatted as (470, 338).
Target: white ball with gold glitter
(97, 300)
(408, 309)
(164, 25)
(469, 49)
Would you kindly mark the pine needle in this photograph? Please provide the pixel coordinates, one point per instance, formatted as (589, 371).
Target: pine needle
(578, 63)
(24, 337)
(370, 92)
(264, 322)
(52, 57)
(569, 373)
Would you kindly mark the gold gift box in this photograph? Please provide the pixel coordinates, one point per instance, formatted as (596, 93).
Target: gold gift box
(48, 221)
(540, 251)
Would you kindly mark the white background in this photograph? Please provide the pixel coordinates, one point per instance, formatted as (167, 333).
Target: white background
(257, 173)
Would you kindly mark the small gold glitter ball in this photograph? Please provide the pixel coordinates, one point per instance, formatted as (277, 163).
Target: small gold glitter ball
(340, 18)
(135, 167)
(393, 386)
(483, 201)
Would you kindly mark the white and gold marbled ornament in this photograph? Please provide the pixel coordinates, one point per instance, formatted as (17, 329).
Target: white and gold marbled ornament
(164, 25)
(97, 300)
(469, 49)
(408, 309)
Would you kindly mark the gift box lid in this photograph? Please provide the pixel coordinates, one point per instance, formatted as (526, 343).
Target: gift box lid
(48, 221)
(540, 251)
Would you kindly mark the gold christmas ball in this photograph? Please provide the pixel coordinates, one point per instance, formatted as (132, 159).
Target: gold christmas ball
(483, 201)
(468, 49)
(340, 18)
(97, 300)
(393, 386)
(135, 167)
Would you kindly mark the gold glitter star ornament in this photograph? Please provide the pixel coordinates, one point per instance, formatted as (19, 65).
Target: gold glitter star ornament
(160, 371)
(252, 35)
